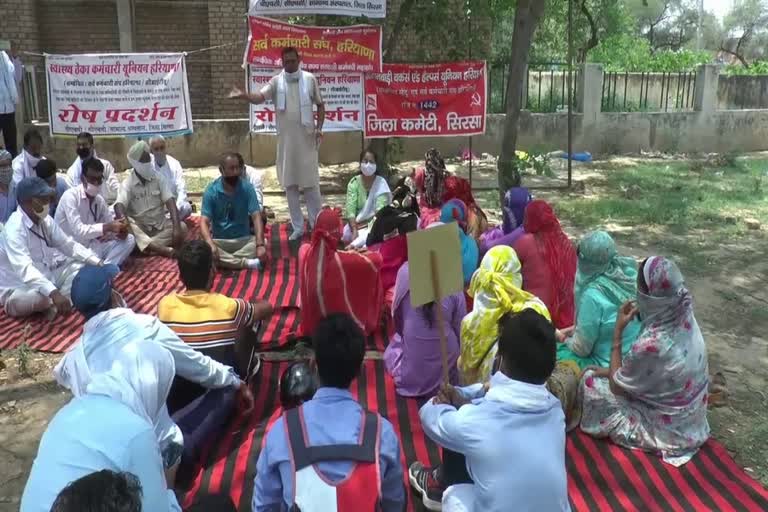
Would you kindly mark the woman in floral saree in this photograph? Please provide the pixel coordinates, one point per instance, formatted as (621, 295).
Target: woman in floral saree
(656, 398)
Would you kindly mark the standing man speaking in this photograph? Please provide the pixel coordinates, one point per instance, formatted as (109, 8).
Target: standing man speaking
(294, 92)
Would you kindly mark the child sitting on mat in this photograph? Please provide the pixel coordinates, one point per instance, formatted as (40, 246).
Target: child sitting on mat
(504, 442)
(329, 453)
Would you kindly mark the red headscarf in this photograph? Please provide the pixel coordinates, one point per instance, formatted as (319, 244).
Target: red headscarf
(558, 252)
(334, 281)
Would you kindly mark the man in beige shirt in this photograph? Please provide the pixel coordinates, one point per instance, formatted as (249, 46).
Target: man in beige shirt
(144, 197)
(294, 92)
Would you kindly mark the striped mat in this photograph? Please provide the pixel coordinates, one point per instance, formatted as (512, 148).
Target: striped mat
(146, 280)
(602, 476)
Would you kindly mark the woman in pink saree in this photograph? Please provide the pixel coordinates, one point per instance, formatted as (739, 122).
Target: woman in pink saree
(656, 398)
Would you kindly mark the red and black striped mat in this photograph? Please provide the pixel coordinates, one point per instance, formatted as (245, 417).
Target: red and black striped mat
(602, 476)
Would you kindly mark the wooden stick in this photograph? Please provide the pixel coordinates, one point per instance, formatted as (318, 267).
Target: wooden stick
(439, 315)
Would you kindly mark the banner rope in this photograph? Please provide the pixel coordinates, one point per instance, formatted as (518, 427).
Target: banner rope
(191, 52)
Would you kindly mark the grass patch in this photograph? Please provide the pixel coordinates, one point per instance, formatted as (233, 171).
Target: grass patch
(678, 195)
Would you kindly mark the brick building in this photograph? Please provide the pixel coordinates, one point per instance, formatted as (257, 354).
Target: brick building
(101, 26)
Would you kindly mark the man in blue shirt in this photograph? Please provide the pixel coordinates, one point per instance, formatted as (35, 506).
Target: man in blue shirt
(46, 169)
(230, 206)
(316, 479)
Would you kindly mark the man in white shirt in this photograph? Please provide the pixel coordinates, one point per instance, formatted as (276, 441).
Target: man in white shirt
(110, 326)
(144, 198)
(86, 150)
(294, 92)
(9, 98)
(25, 162)
(170, 169)
(506, 439)
(37, 259)
(84, 215)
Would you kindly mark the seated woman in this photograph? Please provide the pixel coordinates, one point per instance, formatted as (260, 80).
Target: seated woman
(497, 289)
(513, 212)
(413, 356)
(110, 426)
(455, 210)
(367, 193)
(437, 186)
(549, 262)
(337, 281)
(655, 399)
(388, 237)
(604, 281)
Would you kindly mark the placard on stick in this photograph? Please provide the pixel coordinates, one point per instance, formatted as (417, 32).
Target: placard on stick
(442, 244)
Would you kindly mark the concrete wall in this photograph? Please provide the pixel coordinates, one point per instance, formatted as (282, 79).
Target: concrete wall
(739, 92)
(721, 131)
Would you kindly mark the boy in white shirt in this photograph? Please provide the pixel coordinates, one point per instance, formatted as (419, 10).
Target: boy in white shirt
(511, 431)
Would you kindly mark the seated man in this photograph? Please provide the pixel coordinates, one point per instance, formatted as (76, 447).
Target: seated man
(37, 259)
(170, 169)
(213, 324)
(84, 215)
(143, 198)
(110, 326)
(103, 491)
(85, 151)
(509, 435)
(7, 194)
(358, 467)
(46, 170)
(229, 206)
(25, 162)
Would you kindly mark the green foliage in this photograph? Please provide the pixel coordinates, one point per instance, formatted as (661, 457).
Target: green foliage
(755, 68)
(626, 52)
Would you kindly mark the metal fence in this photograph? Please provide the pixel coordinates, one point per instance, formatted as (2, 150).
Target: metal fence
(545, 88)
(648, 92)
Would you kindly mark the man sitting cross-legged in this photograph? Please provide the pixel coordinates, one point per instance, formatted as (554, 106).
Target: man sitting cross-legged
(109, 327)
(215, 325)
(84, 215)
(143, 199)
(229, 206)
(503, 442)
(330, 453)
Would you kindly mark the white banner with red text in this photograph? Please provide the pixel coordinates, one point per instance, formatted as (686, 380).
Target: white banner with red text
(341, 92)
(369, 8)
(133, 94)
(426, 100)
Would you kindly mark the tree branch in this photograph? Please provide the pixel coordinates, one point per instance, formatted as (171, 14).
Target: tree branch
(394, 35)
(593, 39)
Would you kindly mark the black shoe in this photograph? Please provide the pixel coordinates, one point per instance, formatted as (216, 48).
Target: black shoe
(424, 480)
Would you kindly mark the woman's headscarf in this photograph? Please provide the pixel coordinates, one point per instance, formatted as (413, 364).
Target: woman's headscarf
(497, 289)
(515, 201)
(601, 266)
(334, 281)
(560, 256)
(140, 377)
(667, 365)
(434, 178)
(456, 210)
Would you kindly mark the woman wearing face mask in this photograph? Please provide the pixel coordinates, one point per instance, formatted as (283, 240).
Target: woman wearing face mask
(7, 195)
(367, 193)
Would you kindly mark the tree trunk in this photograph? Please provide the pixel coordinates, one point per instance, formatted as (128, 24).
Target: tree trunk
(381, 146)
(527, 15)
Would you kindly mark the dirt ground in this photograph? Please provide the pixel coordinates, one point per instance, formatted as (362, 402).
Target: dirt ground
(727, 280)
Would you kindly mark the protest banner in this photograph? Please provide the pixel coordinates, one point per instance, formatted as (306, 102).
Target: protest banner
(342, 93)
(118, 94)
(351, 49)
(432, 100)
(368, 8)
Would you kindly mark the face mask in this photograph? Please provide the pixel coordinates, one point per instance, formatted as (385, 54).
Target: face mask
(92, 190)
(292, 77)
(5, 175)
(232, 180)
(144, 169)
(160, 159)
(83, 153)
(43, 211)
(31, 160)
(117, 300)
(368, 168)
